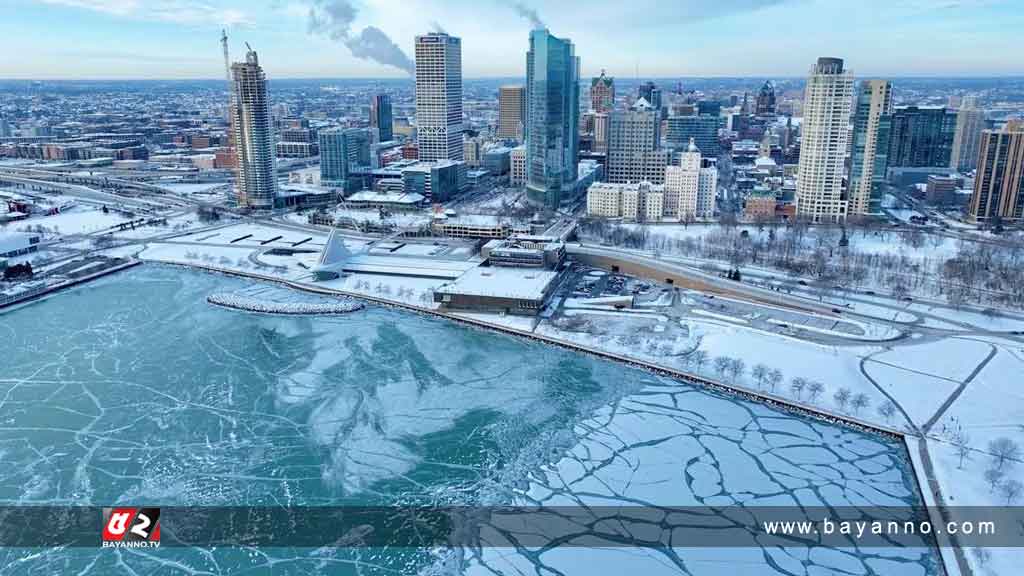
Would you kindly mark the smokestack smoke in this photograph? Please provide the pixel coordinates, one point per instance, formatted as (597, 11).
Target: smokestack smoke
(530, 14)
(334, 18)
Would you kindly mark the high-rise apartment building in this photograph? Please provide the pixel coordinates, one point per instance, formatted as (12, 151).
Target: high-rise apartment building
(999, 183)
(871, 128)
(825, 133)
(381, 118)
(552, 118)
(439, 97)
(254, 139)
(682, 182)
(922, 136)
(511, 112)
(602, 93)
(5, 128)
(970, 122)
(633, 153)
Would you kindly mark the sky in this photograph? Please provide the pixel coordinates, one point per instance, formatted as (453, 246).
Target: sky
(121, 39)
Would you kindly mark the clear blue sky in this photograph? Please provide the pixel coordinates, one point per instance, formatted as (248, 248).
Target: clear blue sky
(180, 38)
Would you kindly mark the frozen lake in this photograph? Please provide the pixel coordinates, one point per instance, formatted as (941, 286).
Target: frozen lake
(134, 391)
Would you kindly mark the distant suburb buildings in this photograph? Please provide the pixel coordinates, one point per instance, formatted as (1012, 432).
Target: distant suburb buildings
(254, 140)
(824, 136)
(552, 118)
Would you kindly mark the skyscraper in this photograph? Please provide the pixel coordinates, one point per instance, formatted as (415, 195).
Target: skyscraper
(766, 100)
(511, 111)
(999, 184)
(254, 140)
(602, 93)
(824, 137)
(5, 128)
(552, 118)
(381, 118)
(633, 153)
(439, 97)
(871, 127)
(970, 122)
(922, 136)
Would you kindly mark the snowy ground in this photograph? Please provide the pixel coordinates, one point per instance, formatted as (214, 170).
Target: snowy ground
(79, 219)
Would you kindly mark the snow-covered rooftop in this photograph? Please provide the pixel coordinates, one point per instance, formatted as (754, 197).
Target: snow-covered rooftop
(496, 282)
(392, 197)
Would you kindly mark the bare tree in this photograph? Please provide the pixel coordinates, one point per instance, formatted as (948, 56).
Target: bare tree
(859, 402)
(737, 368)
(1002, 450)
(797, 386)
(722, 365)
(993, 476)
(774, 378)
(760, 374)
(887, 410)
(1010, 490)
(842, 398)
(699, 359)
(814, 390)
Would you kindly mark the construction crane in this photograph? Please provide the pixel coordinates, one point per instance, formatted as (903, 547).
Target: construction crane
(227, 58)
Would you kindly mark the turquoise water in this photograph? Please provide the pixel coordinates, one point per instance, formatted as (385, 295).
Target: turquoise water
(133, 390)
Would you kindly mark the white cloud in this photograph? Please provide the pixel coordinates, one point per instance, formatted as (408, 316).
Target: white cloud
(188, 12)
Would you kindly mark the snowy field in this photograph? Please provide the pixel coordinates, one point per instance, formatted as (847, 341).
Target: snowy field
(76, 220)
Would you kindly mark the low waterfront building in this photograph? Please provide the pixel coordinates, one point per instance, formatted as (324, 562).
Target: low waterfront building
(499, 289)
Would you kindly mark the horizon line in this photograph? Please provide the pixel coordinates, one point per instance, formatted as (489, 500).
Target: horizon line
(500, 77)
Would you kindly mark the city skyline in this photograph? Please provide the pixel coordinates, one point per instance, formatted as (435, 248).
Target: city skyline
(177, 39)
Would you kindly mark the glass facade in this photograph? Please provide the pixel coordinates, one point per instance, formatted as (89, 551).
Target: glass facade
(703, 130)
(380, 117)
(340, 150)
(552, 110)
(872, 131)
(922, 137)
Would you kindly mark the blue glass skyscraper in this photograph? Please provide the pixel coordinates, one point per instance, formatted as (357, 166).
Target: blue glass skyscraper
(552, 118)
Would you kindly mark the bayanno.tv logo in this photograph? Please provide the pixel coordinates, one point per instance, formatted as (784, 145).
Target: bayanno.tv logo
(131, 528)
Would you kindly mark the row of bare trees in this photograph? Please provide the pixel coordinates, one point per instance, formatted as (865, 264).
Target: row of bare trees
(985, 273)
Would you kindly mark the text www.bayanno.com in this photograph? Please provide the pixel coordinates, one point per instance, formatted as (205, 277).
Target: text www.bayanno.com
(862, 528)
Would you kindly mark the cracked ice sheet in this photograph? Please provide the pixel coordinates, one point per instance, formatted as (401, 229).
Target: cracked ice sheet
(134, 389)
(668, 445)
